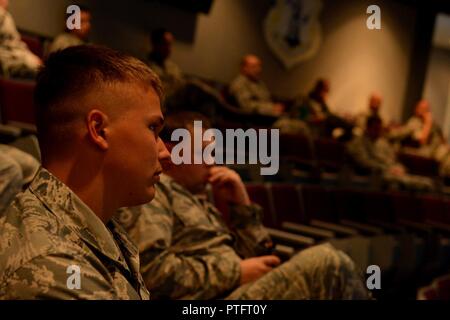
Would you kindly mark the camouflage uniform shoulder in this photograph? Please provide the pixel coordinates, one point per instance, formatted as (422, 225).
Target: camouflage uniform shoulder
(29, 230)
(238, 82)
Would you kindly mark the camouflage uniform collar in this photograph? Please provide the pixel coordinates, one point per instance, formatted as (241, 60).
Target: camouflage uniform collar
(76, 215)
(168, 180)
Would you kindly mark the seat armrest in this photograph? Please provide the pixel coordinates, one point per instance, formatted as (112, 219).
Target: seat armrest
(367, 228)
(291, 238)
(307, 230)
(337, 228)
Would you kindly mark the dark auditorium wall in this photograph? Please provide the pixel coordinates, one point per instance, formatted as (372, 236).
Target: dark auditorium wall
(355, 59)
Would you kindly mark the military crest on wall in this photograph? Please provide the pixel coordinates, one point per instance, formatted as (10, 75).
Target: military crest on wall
(292, 30)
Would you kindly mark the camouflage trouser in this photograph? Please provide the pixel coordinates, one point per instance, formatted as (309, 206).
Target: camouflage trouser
(16, 169)
(410, 182)
(320, 272)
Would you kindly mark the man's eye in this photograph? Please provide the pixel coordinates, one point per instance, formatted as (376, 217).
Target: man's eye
(152, 128)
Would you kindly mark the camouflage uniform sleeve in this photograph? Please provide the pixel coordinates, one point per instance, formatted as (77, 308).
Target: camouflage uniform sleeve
(359, 155)
(252, 238)
(412, 129)
(246, 100)
(48, 277)
(181, 270)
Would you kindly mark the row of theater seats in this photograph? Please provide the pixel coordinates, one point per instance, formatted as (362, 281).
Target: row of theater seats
(329, 156)
(407, 235)
(321, 213)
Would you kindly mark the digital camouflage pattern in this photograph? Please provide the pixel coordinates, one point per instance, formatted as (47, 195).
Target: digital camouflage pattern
(10, 180)
(188, 252)
(411, 132)
(47, 229)
(251, 96)
(170, 75)
(435, 148)
(317, 273)
(16, 60)
(379, 157)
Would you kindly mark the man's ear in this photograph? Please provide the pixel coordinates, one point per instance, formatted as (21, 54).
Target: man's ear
(97, 123)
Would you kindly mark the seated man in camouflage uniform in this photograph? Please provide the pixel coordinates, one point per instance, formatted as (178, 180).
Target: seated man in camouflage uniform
(98, 122)
(250, 92)
(16, 60)
(75, 37)
(422, 136)
(188, 252)
(374, 153)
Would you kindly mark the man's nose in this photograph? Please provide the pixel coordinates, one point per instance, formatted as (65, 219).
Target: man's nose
(163, 153)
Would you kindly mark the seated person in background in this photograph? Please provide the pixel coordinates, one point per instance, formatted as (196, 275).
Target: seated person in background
(159, 61)
(16, 59)
(421, 135)
(181, 92)
(17, 169)
(98, 121)
(250, 92)
(75, 37)
(375, 102)
(373, 153)
(315, 110)
(188, 252)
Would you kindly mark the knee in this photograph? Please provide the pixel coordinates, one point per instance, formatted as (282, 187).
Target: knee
(10, 172)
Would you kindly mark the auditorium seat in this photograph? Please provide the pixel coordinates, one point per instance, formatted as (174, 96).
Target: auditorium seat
(433, 208)
(319, 208)
(261, 195)
(330, 155)
(442, 285)
(16, 103)
(34, 43)
(290, 214)
(419, 165)
(297, 153)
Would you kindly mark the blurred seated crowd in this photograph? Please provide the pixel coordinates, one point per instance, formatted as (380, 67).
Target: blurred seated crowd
(227, 232)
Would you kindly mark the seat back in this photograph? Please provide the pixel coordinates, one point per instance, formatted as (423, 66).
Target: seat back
(16, 101)
(287, 204)
(260, 194)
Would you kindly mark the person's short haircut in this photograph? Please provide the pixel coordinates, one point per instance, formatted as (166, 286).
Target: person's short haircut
(184, 120)
(75, 72)
(157, 36)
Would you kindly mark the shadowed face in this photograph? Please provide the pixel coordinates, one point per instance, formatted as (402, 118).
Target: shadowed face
(133, 159)
(164, 48)
(252, 67)
(422, 108)
(4, 4)
(193, 177)
(85, 26)
(375, 102)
